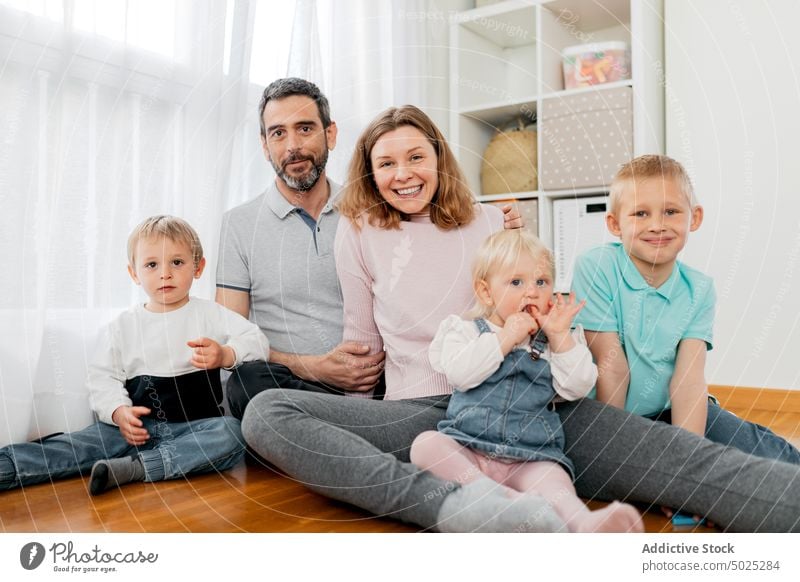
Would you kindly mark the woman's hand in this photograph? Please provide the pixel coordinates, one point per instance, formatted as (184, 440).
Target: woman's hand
(512, 219)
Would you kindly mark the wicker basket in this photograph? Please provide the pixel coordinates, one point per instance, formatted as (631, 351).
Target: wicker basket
(510, 162)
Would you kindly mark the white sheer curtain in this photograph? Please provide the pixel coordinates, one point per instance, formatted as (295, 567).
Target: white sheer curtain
(110, 111)
(113, 110)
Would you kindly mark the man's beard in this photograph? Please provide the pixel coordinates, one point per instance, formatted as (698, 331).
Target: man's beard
(305, 182)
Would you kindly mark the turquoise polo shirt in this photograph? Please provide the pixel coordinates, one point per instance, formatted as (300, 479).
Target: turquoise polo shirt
(650, 322)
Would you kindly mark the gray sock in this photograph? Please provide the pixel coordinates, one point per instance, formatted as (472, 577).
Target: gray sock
(483, 506)
(115, 472)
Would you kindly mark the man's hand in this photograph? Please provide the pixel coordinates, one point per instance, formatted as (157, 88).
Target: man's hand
(348, 366)
(208, 354)
(511, 217)
(130, 425)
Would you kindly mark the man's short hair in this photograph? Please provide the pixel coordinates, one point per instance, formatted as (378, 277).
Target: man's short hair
(288, 87)
(647, 167)
(171, 227)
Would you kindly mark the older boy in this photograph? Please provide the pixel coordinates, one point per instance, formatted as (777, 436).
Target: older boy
(154, 381)
(649, 318)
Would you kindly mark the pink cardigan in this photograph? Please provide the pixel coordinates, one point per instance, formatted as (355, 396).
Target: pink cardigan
(399, 285)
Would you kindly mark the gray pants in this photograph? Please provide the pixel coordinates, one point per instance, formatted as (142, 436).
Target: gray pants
(356, 451)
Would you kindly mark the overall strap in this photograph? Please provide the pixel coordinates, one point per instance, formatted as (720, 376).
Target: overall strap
(538, 344)
(483, 327)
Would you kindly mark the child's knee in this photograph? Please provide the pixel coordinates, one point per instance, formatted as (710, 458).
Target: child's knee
(423, 447)
(226, 431)
(233, 428)
(229, 444)
(231, 425)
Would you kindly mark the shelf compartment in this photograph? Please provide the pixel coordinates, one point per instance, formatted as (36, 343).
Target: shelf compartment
(499, 113)
(475, 131)
(573, 22)
(495, 52)
(509, 24)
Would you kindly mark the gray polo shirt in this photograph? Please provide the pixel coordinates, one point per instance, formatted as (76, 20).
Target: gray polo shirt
(278, 254)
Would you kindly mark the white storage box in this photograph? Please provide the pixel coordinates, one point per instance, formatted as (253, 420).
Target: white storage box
(578, 225)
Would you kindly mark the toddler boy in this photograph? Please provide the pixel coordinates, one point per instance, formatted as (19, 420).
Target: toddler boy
(154, 381)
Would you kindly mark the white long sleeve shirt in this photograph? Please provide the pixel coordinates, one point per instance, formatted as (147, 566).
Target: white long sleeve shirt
(467, 358)
(142, 343)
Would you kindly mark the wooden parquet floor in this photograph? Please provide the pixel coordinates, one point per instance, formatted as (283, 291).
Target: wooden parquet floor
(252, 498)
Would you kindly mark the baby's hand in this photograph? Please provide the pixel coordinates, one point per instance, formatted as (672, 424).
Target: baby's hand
(130, 425)
(518, 327)
(558, 321)
(208, 354)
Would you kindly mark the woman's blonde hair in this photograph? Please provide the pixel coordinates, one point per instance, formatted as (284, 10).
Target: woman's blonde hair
(501, 251)
(171, 227)
(452, 205)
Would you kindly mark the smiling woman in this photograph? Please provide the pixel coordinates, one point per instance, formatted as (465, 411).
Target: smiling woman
(405, 199)
(402, 167)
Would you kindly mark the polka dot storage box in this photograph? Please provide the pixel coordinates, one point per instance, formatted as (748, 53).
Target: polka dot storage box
(584, 138)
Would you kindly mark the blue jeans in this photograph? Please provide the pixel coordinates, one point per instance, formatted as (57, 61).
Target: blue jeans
(175, 449)
(728, 429)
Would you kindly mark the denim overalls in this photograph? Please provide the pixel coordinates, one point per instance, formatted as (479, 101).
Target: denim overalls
(509, 415)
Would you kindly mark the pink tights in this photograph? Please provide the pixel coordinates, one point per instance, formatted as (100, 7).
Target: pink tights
(446, 458)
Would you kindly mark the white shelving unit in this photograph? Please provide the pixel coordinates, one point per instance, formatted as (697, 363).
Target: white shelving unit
(506, 58)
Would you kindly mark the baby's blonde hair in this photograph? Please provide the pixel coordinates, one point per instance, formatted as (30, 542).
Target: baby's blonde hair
(171, 227)
(646, 167)
(501, 251)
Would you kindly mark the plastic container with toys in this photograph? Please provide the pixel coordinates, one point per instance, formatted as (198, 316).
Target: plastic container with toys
(596, 63)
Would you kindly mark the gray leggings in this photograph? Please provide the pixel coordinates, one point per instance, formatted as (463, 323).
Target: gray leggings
(356, 450)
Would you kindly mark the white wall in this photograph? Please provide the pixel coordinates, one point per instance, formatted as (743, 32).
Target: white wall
(733, 118)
